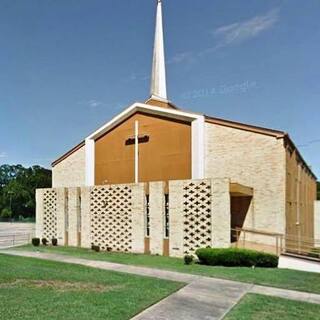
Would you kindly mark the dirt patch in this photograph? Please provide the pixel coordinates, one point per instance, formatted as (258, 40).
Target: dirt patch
(58, 285)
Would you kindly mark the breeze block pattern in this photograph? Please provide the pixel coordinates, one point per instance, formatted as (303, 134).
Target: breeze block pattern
(49, 214)
(197, 231)
(111, 217)
(114, 216)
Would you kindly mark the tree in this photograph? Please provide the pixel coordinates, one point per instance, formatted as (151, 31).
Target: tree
(6, 213)
(17, 189)
(318, 190)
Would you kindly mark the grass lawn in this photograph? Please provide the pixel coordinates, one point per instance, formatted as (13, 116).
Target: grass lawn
(281, 278)
(258, 307)
(37, 289)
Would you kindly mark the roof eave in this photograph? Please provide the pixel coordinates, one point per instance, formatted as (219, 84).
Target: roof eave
(68, 153)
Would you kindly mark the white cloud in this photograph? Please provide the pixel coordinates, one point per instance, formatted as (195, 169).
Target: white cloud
(94, 103)
(309, 143)
(238, 32)
(232, 34)
(137, 77)
(181, 57)
(3, 154)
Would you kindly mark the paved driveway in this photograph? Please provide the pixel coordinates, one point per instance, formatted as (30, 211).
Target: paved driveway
(12, 234)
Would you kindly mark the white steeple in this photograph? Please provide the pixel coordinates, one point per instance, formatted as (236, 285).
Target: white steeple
(158, 78)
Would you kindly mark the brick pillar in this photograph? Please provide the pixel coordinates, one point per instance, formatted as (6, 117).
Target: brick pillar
(220, 213)
(176, 218)
(74, 210)
(85, 218)
(61, 214)
(156, 192)
(138, 217)
(39, 212)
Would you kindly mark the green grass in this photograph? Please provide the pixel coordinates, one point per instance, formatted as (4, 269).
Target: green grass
(259, 307)
(281, 278)
(32, 289)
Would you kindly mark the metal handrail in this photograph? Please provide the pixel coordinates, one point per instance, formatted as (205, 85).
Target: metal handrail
(283, 243)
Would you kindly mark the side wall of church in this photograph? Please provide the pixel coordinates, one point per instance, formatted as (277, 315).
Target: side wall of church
(254, 160)
(70, 172)
(317, 221)
(300, 198)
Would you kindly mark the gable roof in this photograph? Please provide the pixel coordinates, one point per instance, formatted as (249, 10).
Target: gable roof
(173, 113)
(152, 107)
(157, 106)
(68, 153)
(247, 127)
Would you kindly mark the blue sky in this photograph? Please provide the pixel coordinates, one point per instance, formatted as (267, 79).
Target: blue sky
(68, 66)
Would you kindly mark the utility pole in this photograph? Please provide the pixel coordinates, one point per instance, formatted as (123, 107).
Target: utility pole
(10, 193)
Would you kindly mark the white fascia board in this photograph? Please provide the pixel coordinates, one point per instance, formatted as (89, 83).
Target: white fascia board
(198, 148)
(171, 113)
(113, 122)
(89, 158)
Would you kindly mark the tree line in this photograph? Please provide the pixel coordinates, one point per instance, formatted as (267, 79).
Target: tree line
(17, 190)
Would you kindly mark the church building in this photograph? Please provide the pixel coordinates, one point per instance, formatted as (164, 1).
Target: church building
(271, 187)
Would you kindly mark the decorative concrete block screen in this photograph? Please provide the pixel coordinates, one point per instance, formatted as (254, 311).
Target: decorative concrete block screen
(50, 214)
(115, 216)
(111, 217)
(197, 230)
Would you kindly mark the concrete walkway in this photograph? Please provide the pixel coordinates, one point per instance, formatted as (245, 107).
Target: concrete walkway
(202, 298)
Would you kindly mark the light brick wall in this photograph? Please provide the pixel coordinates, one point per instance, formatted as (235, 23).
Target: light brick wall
(317, 221)
(176, 218)
(254, 160)
(73, 213)
(85, 218)
(70, 172)
(39, 212)
(220, 213)
(138, 218)
(156, 201)
(62, 210)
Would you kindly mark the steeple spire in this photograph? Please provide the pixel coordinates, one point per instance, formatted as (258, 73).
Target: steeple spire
(158, 78)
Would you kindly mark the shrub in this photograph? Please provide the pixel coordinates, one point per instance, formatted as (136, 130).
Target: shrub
(54, 242)
(6, 213)
(44, 241)
(188, 259)
(314, 253)
(232, 257)
(95, 248)
(35, 242)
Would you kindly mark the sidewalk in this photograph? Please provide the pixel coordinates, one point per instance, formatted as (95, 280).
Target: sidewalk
(202, 297)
